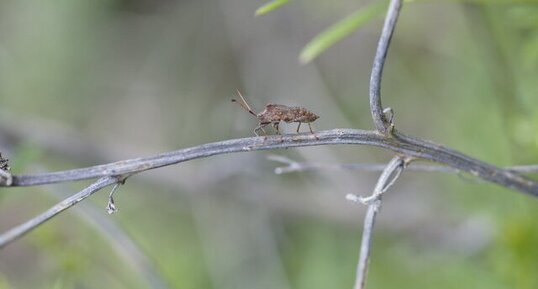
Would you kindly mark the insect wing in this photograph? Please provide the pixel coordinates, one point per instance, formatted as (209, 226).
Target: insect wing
(278, 112)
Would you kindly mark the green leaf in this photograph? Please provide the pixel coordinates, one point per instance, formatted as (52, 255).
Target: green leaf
(270, 6)
(340, 30)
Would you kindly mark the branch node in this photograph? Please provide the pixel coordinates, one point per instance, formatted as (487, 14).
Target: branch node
(111, 205)
(389, 118)
(291, 164)
(368, 201)
(6, 179)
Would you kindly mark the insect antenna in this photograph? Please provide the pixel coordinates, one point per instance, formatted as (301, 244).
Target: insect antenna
(244, 104)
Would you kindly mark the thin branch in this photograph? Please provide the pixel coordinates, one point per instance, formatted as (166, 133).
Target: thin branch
(293, 166)
(523, 169)
(399, 143)
(20, 230)
(121, 243)
(380, 121)
(386, 180)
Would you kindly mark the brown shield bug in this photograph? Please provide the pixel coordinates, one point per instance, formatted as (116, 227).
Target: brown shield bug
(276, 113)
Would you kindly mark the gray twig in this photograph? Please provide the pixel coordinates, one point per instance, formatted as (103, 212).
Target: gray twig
(121, 243)
(380, 121)
(399, 143)
(524, 169)
(386, 180)
(293, 166)
(20, 230)
(296, 166)
(119, 240)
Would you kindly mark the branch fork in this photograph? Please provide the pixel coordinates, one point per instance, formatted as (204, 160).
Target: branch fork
(22, 229)
(385, 136)
(389, 175)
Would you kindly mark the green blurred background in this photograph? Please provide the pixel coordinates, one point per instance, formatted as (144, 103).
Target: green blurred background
(88, 82)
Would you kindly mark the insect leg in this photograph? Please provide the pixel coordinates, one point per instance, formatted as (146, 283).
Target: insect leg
(299, 126)
(260, 127)
(275, 125)
(312, 132)
(310, 127)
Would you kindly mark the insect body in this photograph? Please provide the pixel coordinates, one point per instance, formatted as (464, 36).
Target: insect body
(276, 113)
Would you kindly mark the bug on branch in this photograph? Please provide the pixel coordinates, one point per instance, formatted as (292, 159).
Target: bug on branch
(276, 113)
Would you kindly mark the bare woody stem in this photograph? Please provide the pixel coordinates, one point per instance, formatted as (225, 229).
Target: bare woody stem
(399, 143)
(293, 166)
(386, 180)
(20, 230)
(403, 145)
(380, 121)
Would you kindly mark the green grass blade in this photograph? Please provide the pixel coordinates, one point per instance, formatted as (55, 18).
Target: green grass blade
(270, 6)
(340, 30)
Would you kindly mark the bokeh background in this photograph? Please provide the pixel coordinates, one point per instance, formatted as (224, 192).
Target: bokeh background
(89, 82)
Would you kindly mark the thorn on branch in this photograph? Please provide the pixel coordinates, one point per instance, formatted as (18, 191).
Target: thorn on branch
(111, 205)
(389, 117)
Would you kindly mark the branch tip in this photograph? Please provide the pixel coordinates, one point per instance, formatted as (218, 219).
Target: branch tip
(353, 198)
